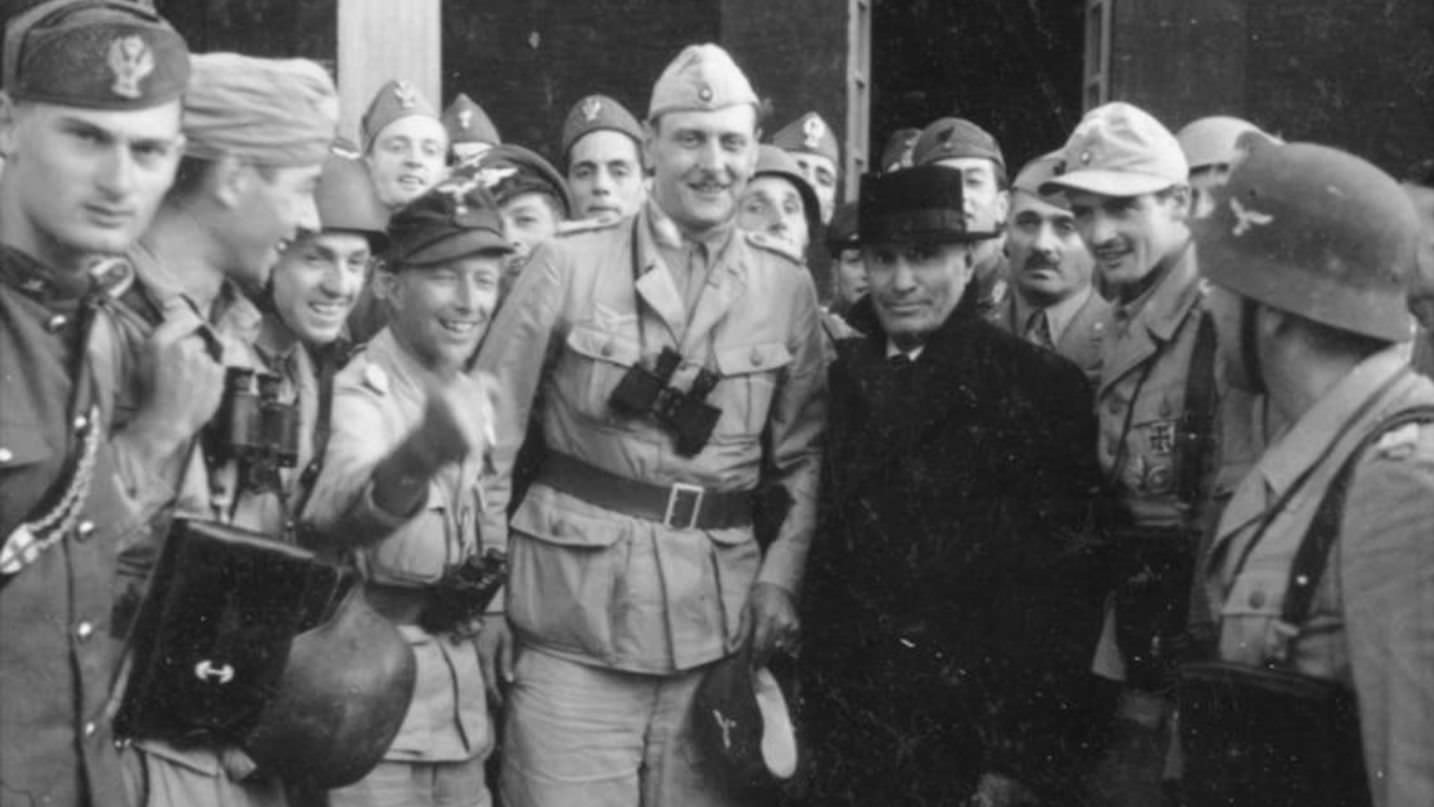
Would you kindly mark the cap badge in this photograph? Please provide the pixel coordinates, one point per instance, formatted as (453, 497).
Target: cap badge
(1085, 157)
(1247, 219)
(591, 108)
(704, 93)
(406, 94)
(131, 60)
(492, 175)
(465, 118)
(813, 130)
(457, 190)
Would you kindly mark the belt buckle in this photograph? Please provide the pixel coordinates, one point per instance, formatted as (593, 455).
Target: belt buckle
(675, 495)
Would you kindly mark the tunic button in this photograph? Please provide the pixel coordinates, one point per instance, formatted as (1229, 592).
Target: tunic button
(606, 350)
(6, 455)
(84, 529)
(90, 729)
(81, 422)
(756, 357)
(1113, 407)
(56, 323)
(84, 630)
(1257, 599)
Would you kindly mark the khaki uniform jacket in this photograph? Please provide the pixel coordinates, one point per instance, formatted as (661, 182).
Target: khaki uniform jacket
(379, 398)
(1082, 339)
(604, 588)
(1370, 622)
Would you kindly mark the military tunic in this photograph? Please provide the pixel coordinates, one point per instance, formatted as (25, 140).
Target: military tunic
(1369, 624)
(600, 587)
(57, 660)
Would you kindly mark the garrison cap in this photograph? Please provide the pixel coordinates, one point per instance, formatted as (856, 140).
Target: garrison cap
(1120, 150)
(897, 153)
(279, 112)
(809, 134)
(508, 170)
(1317, 232)
(595, 112)
(842, 232)
(456, 218)
(701, 78)
(1036, 173)
(955, 138)
(923, 203)
(100, 54)
(395, 100)
(466, 122)
(347, 202)
(775, 162)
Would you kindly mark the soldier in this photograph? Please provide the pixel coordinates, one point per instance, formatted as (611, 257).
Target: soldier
(815, 150)
(470, 131)
(896, 154)
(602, 146)
(1209, 147)
(532, 198)
(960, 144)
(951, 608)
(257, 134)
(1126, 180)
(677, 358)
(1054, 304)
(779, 201)
(1320, 571)
(1418, 185)
(404, 144)
(849, 281)
(400, 486)
(90, 127)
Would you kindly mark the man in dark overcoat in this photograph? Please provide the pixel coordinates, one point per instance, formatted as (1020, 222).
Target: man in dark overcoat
(953, 597)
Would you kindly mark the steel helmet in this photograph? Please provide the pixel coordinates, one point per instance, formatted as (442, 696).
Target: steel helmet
(347, 202)
(1316, 232)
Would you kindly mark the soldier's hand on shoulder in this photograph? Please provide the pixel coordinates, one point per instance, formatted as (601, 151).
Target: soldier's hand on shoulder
(182, 383)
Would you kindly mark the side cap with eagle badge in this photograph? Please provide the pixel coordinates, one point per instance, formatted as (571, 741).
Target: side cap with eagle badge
(595, 112)
(457, 218)
(111, 54)
(743, 724)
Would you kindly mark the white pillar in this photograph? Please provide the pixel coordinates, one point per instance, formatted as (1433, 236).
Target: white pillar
(386, 39)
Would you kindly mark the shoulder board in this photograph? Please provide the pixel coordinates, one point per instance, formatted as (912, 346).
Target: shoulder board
(1398, 443)
(766, 242)
(566, 228)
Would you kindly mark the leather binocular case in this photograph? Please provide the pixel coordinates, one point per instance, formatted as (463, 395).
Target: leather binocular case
(245, 641)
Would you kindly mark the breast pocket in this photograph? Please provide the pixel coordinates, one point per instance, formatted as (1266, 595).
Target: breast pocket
(748, 382)
(1154, 438)
(419, 552)
(1249, 612)
(592, 365)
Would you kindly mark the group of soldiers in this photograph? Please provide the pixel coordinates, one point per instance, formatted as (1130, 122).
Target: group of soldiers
(413, 470)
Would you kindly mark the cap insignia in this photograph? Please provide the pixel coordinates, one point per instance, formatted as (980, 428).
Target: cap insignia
(493, 175)
(1085, 157)
(1246, 219)
(131, 60)
(813, 130)
(457, 189)
(704, 93)
(465, 118)
(406, 94)
(591, 108)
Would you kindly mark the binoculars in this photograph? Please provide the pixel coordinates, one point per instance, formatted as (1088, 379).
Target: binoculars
(254, 427)
(683, 413)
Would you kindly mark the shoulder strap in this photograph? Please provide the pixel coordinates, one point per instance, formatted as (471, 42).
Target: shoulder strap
(1313, 554)
(1198, 423)
(329, 361)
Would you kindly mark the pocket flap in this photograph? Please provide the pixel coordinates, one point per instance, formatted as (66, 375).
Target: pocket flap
(758, 358)
(1257, 593)
(555, 518)
(602, 346)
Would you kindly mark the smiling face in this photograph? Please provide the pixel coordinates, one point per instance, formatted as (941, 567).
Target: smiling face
(1130, 236)
(441, 312)
(772, 205)
(916, 286)
(701, 163)
(317, 282)
(407, 158)
(1049, 261)
(80, 182)
(272, 208)
(605, 174)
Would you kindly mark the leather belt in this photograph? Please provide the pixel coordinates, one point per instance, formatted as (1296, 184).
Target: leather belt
(681, 506)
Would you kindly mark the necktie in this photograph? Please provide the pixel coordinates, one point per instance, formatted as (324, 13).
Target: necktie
(1038, 331)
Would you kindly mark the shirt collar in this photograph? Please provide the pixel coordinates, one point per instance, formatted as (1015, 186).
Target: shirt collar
(1058, 316)
(892, 351)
